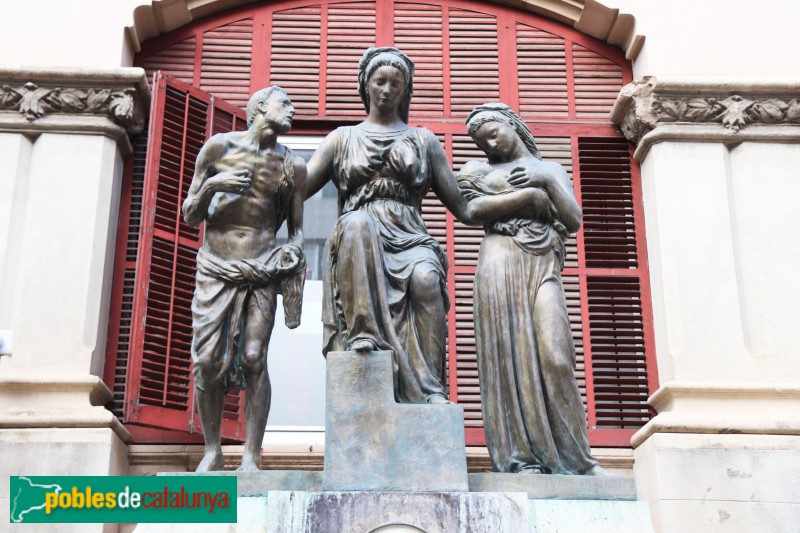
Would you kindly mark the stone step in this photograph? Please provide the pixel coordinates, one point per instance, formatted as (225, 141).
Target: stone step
(374, 443)
(556, 486)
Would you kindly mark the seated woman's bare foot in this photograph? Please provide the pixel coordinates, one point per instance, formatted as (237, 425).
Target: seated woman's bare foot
(212, 460)
(532, 469)
(249, 464)
(438, 399)
(597, 470)
(363, 345)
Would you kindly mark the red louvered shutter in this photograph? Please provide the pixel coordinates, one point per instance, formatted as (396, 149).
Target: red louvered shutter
(295, 56)
(467, 53)
(418, 33)
(597, 83)
(153, 365)
(619, 346)
(176, 60)
(350, 31)
(226, 61)
(474, 76)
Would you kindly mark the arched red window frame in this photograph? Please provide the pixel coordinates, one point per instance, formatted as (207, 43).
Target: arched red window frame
(203, 64)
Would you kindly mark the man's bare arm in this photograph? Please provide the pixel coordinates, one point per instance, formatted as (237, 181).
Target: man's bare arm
(206, 182)
(294, 222)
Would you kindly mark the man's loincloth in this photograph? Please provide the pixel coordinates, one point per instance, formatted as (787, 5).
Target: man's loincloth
(223, 292)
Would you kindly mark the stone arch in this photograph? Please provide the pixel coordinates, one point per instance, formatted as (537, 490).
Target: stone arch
(587, 16)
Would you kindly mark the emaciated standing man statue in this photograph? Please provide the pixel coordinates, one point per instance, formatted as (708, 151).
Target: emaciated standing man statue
(245, 185)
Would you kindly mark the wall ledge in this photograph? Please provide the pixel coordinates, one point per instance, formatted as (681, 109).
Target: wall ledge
(62, 401)
(723, 408)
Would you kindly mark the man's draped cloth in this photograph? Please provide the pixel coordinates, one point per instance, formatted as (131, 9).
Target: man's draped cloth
(221, 298)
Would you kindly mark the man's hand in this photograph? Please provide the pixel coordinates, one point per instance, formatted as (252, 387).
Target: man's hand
(290, 258)
(236, 181)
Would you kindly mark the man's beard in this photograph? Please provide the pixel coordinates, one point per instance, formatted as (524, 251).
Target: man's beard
(279, 126)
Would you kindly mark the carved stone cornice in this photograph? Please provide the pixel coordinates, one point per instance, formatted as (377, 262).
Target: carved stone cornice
(112, 102)
(34, 102)
(587, 16)
(649, 111)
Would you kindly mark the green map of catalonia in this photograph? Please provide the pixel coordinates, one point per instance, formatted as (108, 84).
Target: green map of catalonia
(29, 497)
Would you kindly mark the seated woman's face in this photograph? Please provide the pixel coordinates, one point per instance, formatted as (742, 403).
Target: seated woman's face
(496, 139)
(386, 88)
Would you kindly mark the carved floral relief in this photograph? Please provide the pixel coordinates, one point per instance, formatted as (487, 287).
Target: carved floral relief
(34, 102)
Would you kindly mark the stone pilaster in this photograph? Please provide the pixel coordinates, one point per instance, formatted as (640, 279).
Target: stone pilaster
(719, 181)
(64, 136)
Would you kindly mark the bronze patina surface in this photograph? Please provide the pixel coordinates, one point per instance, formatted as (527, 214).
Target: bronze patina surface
(245, 186)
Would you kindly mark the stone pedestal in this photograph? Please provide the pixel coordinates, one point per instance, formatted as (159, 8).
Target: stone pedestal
(374, 443)
(719, 159)
(432, 512)
(555, 487)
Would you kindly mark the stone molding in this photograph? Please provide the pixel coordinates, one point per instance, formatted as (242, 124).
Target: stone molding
(649, 111)
(587, 16)
(723, 408)
(111, 102)
(61, 401)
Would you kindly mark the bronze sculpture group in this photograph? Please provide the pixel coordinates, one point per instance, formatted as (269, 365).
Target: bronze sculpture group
(385, 275)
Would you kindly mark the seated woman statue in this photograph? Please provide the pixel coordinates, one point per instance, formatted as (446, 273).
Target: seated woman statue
(533, 415)
(384, 283)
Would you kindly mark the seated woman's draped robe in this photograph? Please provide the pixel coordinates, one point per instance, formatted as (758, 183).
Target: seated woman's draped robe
(378, 250)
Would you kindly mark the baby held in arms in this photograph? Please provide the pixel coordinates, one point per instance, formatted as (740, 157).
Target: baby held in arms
(478, 178)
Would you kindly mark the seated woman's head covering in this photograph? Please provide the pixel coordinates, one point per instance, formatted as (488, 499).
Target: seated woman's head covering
(497, 112)
(372, 60)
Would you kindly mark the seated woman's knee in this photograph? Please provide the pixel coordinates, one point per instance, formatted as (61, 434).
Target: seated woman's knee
(426, 280)
(356, 222)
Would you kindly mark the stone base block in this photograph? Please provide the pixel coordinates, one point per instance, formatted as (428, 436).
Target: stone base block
(595, 516)
(556, 487)
(59, 452)
(265, 481)
(711, 482)
(429, 512)
(436, 512)
(252, 516)
(374, 443)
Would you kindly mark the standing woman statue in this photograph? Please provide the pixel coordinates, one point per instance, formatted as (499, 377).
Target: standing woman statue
(384, 285)
(533, 415)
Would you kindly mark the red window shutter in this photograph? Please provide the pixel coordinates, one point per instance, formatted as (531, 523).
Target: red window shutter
(418, 33)
(159, 390)
(620, 372)
(226, 61)
(119, 330)
(597, 83)
(467, 53)
(176, 60)
(350, 31)
(295, 56)
(474, 76)
(542, 64)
